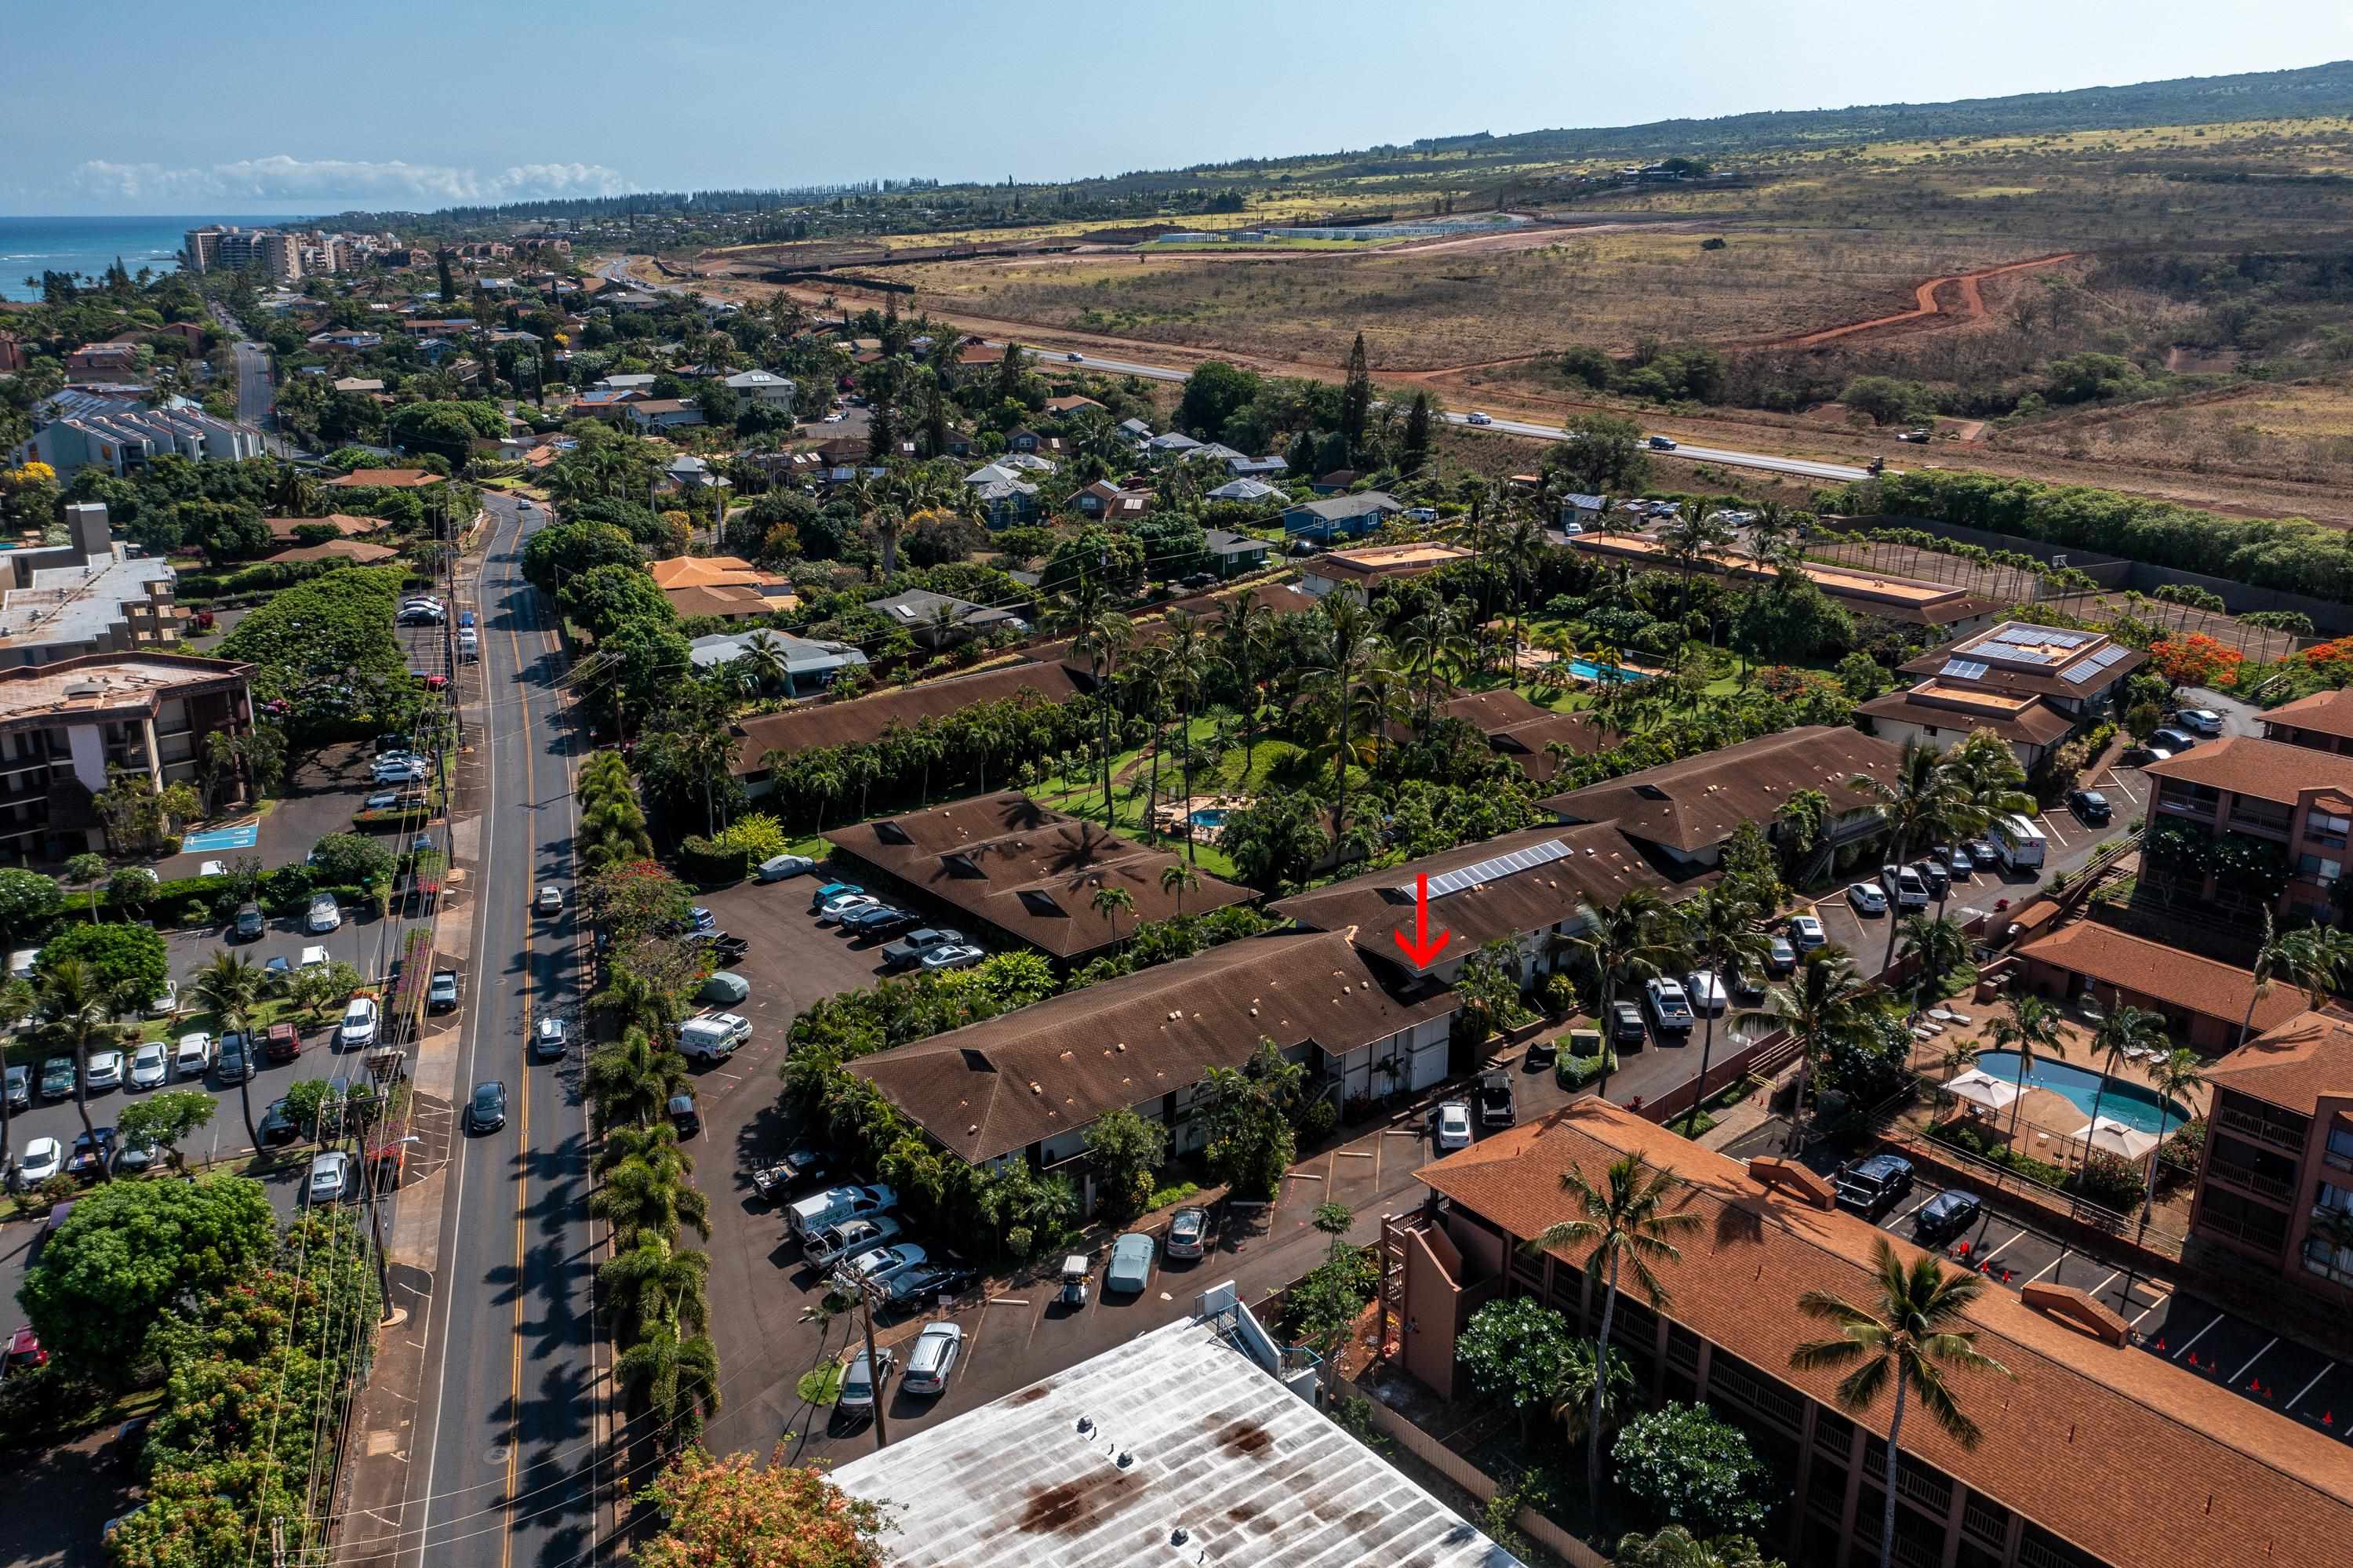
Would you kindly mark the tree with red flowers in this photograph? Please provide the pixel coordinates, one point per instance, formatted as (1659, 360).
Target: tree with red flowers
(2197, 660)
(729, 1513)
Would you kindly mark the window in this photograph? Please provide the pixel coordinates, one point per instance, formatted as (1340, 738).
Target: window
(2327, 830)
(2316, 868)
(2339, 1151)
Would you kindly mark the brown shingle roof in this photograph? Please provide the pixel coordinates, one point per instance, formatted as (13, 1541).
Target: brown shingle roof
(342, 523)
(2183, 979)
(1699, 800)
(2323, 713)
(863, 719)
(1521, 730)
(2036, 724)
(730, 602)
(1599, 868)
(2130, 1456)
(388, 479)
(1131, 1040)
(2266, 769)
(2294, 1064)
(1029, 871)
(357, 551)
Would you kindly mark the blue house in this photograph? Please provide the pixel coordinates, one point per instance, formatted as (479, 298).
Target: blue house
(1340, 516)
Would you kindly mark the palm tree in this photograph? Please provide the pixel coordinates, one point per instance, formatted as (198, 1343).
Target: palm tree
(1628, 1224)
(1248, 632)
(1101, 636)
(1176, 877)
(229, 987)
(1935, 944)
(1430, 640)
(763, 661)
(648, 1196)
(653, 1283)
(1921, 801)
(1912, 1337)
(2316, 961)
(677, 1379)
(1719, 926)
(1691, 537)
(2271, 959)
(1185, 664)
(635, 1141)
(2031, 1025)
(1802, 817)
(1520, 549)
(630, 1080)
(1625, 942)
(1109, 901)
(2125, 1035)
(1824, 1002)
(1986, 785)
(1339, 658)
(77, 1004)
(2176, 1075)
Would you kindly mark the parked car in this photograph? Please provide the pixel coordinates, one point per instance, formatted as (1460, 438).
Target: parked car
(42, 1158)
(1449, 1126)
(2173, 740)
(801, 1162)
(866, 924)
(1806, 932)
(282, 1044)
(135, 1154)
(835, 1205)
(2199, 721)
(836, 910)
(105, 1071)
(58, 1075)
(1131, 1264)
(1866, 898)
(933, 1359)
(726, 986)
(1626, 1026)
(192, 1057)
(862, 1384)
(955, 956)
(232, 1060)
(2091, 807)
(166, 1001)
(779, 867)
(1872, 1186)
(713, 1036)
(1669, 1008)
(324, 915)
(20, 1088)
(24, 1353)
(359, 1026)
(685, 1114)
(314, 957)
(1706, 993)
(927, 1282)
(277, 1125)
(879, 1265)
(908, 951)
(443, 992)
(851, 1238)
(94, 1152)
(1904, 885)
(1981, 853)
(487, 1111)
(1945, 1216)
(829, 891)
(550, 900)
(1932, 875)
(1780, 957)
(1957, 862)
(151, 1065)
(277, 971)
(330, 1181)
(1496, 1106)
(547, 1040)
(1189, 1231)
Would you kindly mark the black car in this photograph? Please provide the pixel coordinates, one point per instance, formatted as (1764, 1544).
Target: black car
(685, 1116)
(1496, 1106)
(278, 1125)
(1625, 1024)
(488, 1112)
(1934, 872)
(234, 1062)
(94, 1152)
(248, 926)
(1871, 1187)
(925, 1283)
(1982, 854)
(1946, 1215)
(2089, 805)
(880, 921)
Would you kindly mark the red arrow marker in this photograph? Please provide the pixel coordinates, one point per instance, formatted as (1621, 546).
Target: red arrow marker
(1419, 948)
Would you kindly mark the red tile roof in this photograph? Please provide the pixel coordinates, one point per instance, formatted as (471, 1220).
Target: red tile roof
(2266, 769)
(2294, 1064)
(2323, 713)
(2204, 986)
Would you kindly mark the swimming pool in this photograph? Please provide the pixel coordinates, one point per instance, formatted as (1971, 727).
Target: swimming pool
(2124, 1102)
(1210, 817)
(1585, 670)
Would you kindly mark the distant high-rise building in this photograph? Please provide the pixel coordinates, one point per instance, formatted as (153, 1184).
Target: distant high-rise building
(218, 246)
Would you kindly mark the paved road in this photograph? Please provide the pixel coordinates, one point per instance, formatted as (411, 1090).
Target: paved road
(512, 1392)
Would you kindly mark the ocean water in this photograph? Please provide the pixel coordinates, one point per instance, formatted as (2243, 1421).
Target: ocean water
(30, 246)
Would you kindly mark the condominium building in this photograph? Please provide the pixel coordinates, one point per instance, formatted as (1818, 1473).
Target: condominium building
(2275, 1183)
(89, 596)
(278, 253)
(121, 428)
(2033, 685)
(2241, 825)
(67, 728)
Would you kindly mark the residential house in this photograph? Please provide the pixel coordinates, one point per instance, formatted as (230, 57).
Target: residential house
(1231, 553)
(1582, 509)
(359, 385)
(69, 725)
(1339, 482)
(119, 430)
(810, 665)
(1104, 499)
(386, 479)
(1340, 516)
(289, 530)
(1064, 407)
(688, 472)
(937, 621)
(1682, 812)
(2323, 721)
(2204, 1001)
(1357, 572)
(636, 381)
(348, 340)
(2033, 685)
(1529, 887)
(864, 720)
(655, 415)
(1135, 431)
(1170, 445)
(1240, 467)
(2241, 825)
(1245, 493)
(2063, 1472)
(765, 387)
(1025, 1086)
(724, 586)
(603, 402)
(109, 362)
(1531, 737)
(1008, 498)
(441, 326)
(1013, 871)
(1905, 601)
(2275, 1170)
(358, 552)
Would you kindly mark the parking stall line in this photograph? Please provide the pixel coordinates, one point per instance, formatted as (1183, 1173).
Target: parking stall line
(2047, 1268)
(2191, 1343)
(2052, 827)
(1981, 1260)
(2259, 1355)
(1909, 1213)
(2307, 1388)
(2103, 1284)
(2118, 785)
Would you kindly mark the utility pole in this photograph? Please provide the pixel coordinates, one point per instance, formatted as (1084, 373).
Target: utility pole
(864, 1289)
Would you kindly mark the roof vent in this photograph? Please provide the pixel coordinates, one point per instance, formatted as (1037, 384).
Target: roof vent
(1086, 1425)
(977, 1061)
(1650, 792)
(83, 688)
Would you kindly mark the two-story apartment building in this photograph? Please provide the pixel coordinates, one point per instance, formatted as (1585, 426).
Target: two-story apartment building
(2030, 684)
(67, 727)
(89, 595)
(2243, 825)
(2276, 1181)
(2323, 721)
(1358, 572)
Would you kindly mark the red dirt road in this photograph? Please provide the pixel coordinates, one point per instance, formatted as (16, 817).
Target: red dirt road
(1972, 303)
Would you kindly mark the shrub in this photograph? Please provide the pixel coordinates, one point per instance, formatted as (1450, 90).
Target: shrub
(2109, 1180)
(117, 954)
(1686, 1467)
(1576, 1072)
(1316, 1122)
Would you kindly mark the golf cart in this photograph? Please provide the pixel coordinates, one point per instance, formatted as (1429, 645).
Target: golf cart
(1074, 1280)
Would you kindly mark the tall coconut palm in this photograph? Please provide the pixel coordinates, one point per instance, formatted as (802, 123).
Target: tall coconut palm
(1109, 901)
(2173, 1077)
(1985, 785)
(1431, 641)
(73, 999)
(1719, 928)
(1627, 943)
(1921, 801)
(2031, 1025)
(1101, 636)
(1909, 1336)
(1186, 663)
(2272, 956)
(1342, 652)
(1627, 1225)
(2123, 1036)
(1520, 549)
(1692, 537)
(2317, 960)
(1824, 1002)
(654, 1140)
(1247, 634)
(1176, 878)
(648, 1196)
(630, 1080)
(1934, 946)
(676, 1380)
(228, 986)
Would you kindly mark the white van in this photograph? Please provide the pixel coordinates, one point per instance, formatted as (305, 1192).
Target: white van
(2018, 843)
(835, 1205)
(21, 962)
(713, 1036)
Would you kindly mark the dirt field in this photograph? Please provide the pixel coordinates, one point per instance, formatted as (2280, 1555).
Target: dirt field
(2299, 431)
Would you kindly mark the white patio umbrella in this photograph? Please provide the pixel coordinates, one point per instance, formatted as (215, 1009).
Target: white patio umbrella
(2110, 1136)
(1982, 1088)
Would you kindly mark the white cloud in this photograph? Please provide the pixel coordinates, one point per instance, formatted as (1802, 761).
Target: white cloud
(346, 182)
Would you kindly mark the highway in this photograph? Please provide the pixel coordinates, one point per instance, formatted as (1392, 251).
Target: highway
(508, 1414)
(1802, 468)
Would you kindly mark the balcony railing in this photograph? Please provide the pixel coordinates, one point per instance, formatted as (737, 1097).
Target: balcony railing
(2279, 1135)
(2265, 826)
(2269, 1238)
(2280, 1189)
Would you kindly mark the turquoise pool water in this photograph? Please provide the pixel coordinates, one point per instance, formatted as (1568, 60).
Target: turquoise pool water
(2124, 1102)
(1210, 817)
(1585, 670)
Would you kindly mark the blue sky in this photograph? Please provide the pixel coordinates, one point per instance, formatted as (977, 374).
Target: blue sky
(269, 106)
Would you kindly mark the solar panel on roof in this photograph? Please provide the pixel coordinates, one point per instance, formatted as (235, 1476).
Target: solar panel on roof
(1963, 668)
(1501, 866)
(2109, 655)
(2075, 672)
